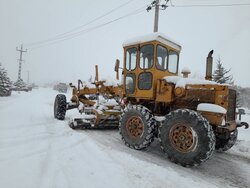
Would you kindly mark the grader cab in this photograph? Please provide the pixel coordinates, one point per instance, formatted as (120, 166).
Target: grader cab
(145, 63)
(190, 117)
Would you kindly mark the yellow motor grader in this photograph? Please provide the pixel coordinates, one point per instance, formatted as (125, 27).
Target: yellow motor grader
(190, 117)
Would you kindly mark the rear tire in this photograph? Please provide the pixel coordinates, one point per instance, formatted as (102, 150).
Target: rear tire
(137, 126)
(224, 145)
(60, 107)
(186, 137)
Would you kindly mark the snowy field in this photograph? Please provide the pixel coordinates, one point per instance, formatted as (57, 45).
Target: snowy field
(37, 151)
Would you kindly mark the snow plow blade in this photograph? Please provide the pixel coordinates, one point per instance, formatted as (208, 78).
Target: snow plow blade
(81, 123)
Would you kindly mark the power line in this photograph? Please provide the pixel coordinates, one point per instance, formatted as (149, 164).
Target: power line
(70, 34)
(79, 27)
(217, 5)
(76, 34)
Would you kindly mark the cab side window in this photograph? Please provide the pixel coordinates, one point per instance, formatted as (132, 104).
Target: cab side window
(131, 58)
(173, 62)
(161, 58)
(147, 56)
(130, 83)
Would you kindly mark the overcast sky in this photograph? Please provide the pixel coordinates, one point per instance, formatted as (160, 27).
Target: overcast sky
(197, 29)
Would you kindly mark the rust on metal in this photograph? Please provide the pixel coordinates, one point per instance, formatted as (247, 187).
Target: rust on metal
(135, 127)
(182, 138)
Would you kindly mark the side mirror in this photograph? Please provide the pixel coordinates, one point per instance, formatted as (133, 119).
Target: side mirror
(242, 111)
(71, 85)
(117, 65)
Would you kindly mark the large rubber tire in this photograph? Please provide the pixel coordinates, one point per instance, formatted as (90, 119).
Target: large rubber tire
(137, 126)
(186, 137)
(225, 144)
(60, 107)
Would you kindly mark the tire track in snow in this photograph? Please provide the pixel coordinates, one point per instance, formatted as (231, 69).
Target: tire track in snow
(227, 170)
(52, 166)
(222, 168)
(39, 151)
(29, 125)
(16, 142)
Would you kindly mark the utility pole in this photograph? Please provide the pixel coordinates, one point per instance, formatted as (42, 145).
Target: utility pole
(156, 4)
(156, 21)
(20, 60)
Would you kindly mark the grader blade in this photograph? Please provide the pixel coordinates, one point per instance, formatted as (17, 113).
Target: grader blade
(81, 123)
(101, 117)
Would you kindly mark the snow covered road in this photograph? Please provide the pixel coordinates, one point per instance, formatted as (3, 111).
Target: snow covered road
(37, 151)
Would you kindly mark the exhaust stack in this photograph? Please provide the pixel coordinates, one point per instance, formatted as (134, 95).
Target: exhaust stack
(117, 65)
(209, 67)
(96, 73)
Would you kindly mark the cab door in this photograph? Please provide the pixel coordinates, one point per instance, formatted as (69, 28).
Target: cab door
(145, 71)
(130, 70)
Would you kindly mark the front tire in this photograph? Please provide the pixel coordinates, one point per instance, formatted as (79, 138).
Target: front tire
(137, 126)
(186, 137)
(60, 107)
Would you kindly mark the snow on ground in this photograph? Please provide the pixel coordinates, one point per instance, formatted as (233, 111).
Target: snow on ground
(38, 151)
(242, 147)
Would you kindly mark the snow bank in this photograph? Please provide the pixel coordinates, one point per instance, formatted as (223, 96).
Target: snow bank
(152, 37)
(182, 82)
(211, 108)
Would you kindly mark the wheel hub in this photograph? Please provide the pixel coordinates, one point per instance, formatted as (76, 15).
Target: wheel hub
(182, 138)
(135, 127)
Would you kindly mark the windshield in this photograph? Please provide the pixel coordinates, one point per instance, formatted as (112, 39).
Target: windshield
(147, 56)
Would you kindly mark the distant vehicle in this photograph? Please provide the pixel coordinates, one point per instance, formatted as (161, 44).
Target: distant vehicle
(23, 88)
(61, 87)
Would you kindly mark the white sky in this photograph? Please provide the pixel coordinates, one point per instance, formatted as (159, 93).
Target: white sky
(198, 30)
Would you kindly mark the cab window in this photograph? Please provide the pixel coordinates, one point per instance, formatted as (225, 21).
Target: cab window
(145, 81)
(131, 58)
(146, 56)
(161, 58)
(173, 62)
(130, 83)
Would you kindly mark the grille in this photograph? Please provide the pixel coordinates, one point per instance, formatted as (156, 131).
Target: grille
(231, 105)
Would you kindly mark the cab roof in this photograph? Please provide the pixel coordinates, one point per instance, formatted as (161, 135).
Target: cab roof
(153, 37)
